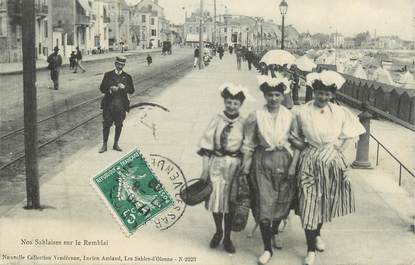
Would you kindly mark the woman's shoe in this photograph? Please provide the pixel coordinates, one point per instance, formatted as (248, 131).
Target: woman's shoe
(228, 246)
(264, 258)
(320, 246)
(276, 241)
(311, 257)
(217, 237)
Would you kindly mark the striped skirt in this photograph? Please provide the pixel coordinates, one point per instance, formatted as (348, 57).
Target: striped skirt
(324, 191)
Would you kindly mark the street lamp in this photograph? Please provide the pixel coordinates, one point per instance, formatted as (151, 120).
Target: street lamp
(247, 32)
(283, 11)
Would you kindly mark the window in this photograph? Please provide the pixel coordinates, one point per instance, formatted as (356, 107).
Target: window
(197, 29)
(3, 26)
(190, 29)
(152, 21)
(105, 33)
(204, 29)
(153, 32)
(143, 18)
(46, 28)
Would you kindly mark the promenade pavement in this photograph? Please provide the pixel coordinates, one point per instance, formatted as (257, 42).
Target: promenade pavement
(17, 67)
(378, 233)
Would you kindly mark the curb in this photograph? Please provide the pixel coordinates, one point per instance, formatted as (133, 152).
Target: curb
(44, 67)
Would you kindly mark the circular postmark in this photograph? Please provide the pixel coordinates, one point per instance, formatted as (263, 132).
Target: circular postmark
(173, 180)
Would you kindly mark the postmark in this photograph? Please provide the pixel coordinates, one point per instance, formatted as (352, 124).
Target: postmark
(173, 179)
(132, 191)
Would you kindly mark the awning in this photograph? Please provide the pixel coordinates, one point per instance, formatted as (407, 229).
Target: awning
(195, 37)
(85, 5)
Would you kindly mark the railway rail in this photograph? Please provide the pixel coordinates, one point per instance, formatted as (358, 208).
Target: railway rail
(146, 83)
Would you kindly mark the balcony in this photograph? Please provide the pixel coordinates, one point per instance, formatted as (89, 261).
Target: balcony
(3, 6)
(41, 9)
(82, 20)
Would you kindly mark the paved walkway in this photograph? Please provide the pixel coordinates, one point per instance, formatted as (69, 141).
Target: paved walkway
(17, 68)
(377, 234)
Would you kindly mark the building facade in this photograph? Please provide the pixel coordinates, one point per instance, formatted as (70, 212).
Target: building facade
(11, 30)
(148, 25)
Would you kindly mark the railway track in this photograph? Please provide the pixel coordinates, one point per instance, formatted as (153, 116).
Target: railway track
(12, 154)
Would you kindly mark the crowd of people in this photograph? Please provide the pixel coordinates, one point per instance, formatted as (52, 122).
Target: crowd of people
(286, 160)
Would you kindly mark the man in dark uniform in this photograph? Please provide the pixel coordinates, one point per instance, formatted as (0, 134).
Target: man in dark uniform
(55, 63)
(115, 85)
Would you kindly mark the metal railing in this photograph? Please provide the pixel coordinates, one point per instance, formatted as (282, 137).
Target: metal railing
(379, 144)
(401, 165)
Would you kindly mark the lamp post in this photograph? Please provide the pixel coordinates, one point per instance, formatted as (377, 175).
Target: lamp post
(201, 37)
(283, 11)
(262, 33)
(247, 32)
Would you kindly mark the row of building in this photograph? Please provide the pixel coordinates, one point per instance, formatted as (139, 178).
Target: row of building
(231, 29)
(95, 26)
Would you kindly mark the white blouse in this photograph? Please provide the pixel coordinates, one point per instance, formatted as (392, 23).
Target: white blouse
(328, 125)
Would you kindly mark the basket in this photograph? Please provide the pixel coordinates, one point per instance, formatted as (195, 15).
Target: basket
(197, 192)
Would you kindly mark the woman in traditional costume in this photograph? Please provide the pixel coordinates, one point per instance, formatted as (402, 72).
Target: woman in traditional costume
(324, 190)
(220, 148)
(270, 161)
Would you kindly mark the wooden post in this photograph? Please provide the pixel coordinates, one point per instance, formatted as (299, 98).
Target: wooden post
(30, 104)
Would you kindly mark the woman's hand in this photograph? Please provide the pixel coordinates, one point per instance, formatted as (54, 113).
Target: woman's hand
(291, 171)
(205, 175)
(121, 85)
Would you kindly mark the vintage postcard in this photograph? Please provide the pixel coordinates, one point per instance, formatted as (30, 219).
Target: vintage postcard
(207, 132)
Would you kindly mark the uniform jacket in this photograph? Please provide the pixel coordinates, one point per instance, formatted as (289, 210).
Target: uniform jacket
(55, 62)
(112, 79)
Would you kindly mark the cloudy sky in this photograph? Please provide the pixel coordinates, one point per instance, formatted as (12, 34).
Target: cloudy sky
(348, 17)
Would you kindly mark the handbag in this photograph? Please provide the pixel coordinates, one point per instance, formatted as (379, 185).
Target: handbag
(196, 193)
(241, 206)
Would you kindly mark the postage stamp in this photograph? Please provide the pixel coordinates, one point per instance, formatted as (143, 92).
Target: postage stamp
(132, 191)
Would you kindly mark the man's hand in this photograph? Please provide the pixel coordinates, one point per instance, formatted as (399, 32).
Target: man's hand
(113, 88)
(121, 85)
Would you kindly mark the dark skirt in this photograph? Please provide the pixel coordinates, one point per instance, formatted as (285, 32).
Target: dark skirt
(271, 189)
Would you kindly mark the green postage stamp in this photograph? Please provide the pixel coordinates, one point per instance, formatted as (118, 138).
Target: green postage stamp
(132, 191)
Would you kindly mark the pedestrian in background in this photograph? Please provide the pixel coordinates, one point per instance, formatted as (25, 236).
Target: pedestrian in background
(220, 148)
(116, 84)
(54, 65)
(249, 57)
(149, 60)
(221, 51)
(239, 56)
(196, 57)
(295, 85)
(72, 60)
(79, 61)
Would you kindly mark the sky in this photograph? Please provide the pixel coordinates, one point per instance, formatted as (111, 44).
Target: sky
(349, 17)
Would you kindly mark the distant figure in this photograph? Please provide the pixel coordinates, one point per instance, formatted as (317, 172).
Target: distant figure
(79, 61)
(72, 60)
(196, 55)
(230, 49)
(295, 86)
(221, 51)
(116, 84)
(55, 63)
(239, 56)
(149, 60)
(249, 56)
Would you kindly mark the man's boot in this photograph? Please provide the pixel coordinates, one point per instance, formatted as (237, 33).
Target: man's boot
(116, 147)
(105, 134)
(103, 148)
